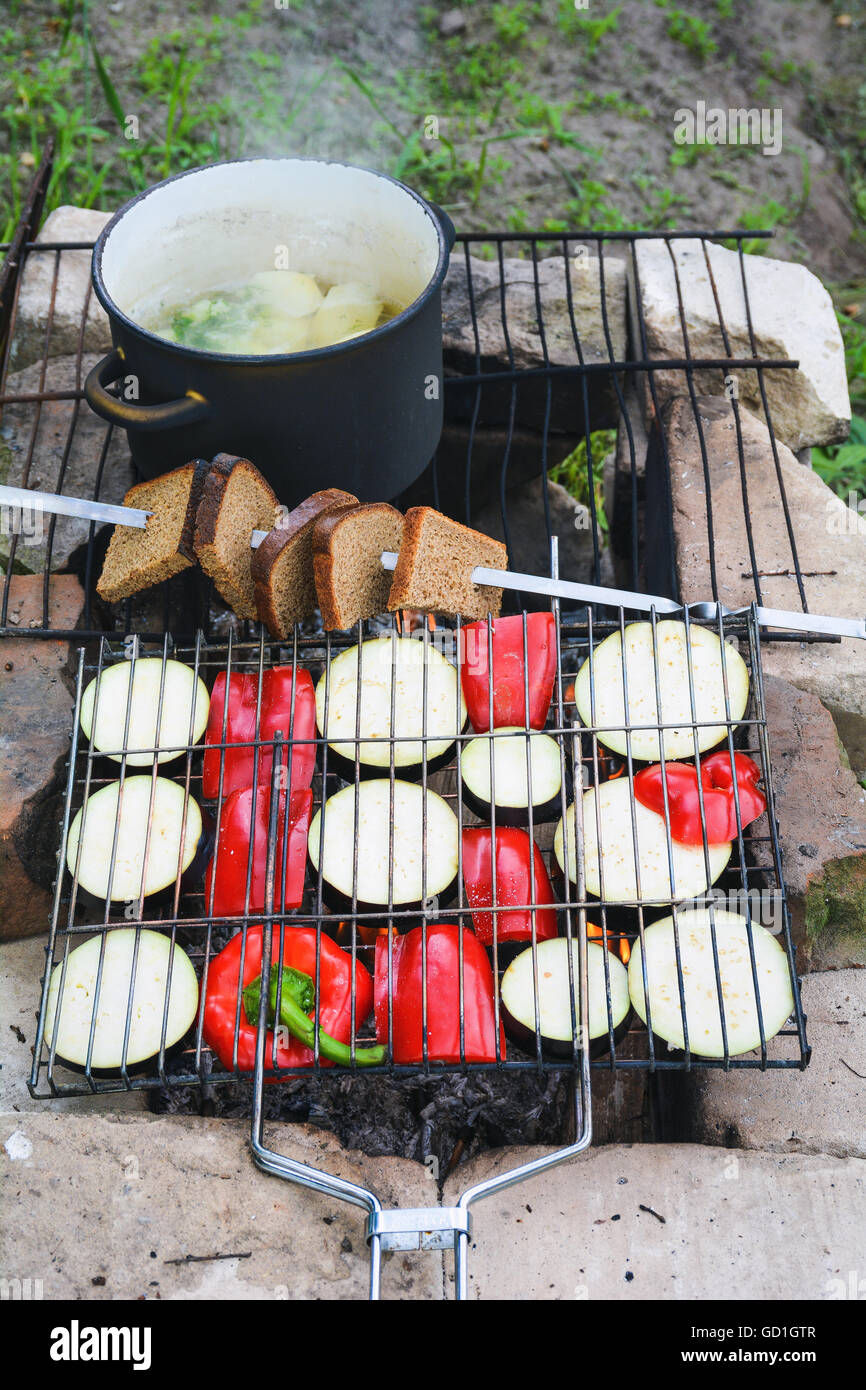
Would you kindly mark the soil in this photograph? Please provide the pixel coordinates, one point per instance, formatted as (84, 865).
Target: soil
(628, 153)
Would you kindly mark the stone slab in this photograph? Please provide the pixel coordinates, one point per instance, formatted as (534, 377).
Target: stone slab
(72, 296)
(742, 1225)
(830, 540)
(573, 307)
(821, 1110)
(821, 810)
(107, 1207)
(792, 318)
(37, 708)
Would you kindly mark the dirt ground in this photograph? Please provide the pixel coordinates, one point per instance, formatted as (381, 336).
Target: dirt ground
(793, 55)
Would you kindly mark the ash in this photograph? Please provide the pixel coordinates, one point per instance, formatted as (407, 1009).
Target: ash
(450, 1118)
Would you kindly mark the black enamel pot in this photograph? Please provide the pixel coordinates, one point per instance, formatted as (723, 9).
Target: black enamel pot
(364, 415)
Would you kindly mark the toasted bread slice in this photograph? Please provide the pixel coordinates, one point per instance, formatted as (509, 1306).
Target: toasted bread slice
(136, 559)
(235, 501)
(282, 567)
(434, 569)
(347, 565)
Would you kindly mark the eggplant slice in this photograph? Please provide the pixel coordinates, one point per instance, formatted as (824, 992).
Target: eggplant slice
(78, 1001)
(511, 787)
(185, 707)
(711, 663)
(616, 805)
(168, 825)
(699, 982)
(517, 995)
(390, 665)
(373, 840)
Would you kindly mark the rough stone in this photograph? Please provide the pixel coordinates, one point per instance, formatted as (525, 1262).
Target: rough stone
(174, 1207)
(73, 292)
(667, 1221)
(82, 472)
(830, 540)
(523, 346)
(821, 810)
(792, 316)
(451, 23)
(821, 1110)
(37, 704)
(523, 455)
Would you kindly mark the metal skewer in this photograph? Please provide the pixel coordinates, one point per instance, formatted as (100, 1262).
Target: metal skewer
(114, 514)
(645, 603)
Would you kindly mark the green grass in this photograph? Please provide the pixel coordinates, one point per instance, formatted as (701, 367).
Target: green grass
(573, 472)
(843, 466)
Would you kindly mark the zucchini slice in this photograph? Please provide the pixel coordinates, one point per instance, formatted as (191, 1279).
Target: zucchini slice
(76, 1004)
(517, 995)
(699, 982)
(373, 832)
(510, 776)
(615, 808)
(387, 662)
(168, 826)
(708, 676)
(185, 698)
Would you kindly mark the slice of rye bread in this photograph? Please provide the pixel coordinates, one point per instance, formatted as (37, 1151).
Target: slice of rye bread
(136, 558)
(235, 501)
(434, 569)
(347, 565)
(282, 567)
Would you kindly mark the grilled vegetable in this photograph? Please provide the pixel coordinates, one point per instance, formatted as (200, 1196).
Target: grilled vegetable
(517, 993)
(171, 830)
(295, 993)
(291, 711)
(416, 848)
(509, 671)
(511, 786)
(607, 820)
(391, 668)
(720, 806)
(224, 1001)
(710, 664)
(185, 704)
(127, 951)
(242, 822)
(515, 851)
(443, 976)
(698, 973)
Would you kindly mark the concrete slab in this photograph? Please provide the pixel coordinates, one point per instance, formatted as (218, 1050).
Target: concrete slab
(668, 1221)
(821, 1110)
(173, 1207)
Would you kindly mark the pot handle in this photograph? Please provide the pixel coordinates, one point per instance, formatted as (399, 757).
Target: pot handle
(166, 415)
(448, 228)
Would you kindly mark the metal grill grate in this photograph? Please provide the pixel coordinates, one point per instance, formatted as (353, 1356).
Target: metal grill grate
(753, 878)
(566, 401)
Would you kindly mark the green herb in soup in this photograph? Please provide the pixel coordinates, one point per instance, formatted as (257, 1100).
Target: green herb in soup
(276, 311)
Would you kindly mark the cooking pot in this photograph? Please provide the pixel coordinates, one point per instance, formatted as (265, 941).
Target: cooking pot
(364, 415)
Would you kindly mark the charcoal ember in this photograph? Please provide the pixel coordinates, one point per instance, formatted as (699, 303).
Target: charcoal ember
(442, 1118)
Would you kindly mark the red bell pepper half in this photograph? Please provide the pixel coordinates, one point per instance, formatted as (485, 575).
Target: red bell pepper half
(227, 871)
(333, 988)
(717, 781)
(509, 671)
(443, 997)
(276, 713)
(513, 885)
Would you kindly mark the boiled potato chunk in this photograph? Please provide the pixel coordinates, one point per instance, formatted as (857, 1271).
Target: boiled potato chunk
(346, 311)
(289, 292)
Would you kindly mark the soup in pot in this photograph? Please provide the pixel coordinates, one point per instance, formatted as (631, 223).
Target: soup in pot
(274, 311)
